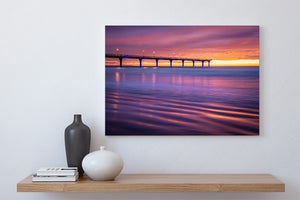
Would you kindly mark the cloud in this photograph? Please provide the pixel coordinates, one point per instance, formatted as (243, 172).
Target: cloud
(240, 40)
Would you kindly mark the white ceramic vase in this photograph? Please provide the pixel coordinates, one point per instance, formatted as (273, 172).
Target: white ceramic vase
(102, 165)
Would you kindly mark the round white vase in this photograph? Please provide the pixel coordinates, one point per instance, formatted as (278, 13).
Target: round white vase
(102, 165)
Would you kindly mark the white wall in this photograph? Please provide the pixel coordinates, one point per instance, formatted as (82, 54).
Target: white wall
(52, 66)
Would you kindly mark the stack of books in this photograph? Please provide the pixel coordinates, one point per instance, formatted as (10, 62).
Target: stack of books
(56, 174)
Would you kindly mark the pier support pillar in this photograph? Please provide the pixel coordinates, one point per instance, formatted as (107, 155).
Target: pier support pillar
(120, 61)
(182, 63)
(208, 63)
(156, 62)
(170, 63)
(193, 63)
(140, 62)
(202, 63)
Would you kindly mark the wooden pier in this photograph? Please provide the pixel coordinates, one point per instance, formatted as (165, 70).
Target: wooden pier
(157, 58)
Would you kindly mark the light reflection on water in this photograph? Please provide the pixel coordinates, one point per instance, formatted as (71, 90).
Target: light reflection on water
(117, 77)
(166, 101)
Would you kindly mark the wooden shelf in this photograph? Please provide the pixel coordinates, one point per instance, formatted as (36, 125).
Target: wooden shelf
(162, 183)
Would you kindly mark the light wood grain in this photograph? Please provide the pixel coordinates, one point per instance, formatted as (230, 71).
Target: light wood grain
(162, 183)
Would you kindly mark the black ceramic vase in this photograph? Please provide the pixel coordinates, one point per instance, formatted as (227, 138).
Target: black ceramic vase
(77, 142)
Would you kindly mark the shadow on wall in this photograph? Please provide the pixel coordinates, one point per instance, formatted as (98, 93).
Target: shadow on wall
(168, 196)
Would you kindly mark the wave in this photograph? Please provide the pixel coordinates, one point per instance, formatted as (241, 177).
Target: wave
(182, 101)
(146, 115)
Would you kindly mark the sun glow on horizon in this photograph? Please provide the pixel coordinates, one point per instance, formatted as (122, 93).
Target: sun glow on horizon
(178, 63)
(240, 62)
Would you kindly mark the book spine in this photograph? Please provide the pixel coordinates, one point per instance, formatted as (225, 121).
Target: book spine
(56, 173)
(36, 178)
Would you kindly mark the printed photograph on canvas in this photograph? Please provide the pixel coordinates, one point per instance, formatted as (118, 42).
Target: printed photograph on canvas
(182, 80)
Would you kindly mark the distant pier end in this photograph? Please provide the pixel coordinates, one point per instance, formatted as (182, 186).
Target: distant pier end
(157, 58)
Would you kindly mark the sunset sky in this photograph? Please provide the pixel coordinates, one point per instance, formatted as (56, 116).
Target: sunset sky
(225, 45)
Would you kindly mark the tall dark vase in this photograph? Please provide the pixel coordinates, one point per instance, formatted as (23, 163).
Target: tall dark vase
(77, 142)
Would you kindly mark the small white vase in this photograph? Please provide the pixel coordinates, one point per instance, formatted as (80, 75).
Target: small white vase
(102, 165)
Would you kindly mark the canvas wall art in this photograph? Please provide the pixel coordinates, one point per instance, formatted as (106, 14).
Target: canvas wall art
(182, 80)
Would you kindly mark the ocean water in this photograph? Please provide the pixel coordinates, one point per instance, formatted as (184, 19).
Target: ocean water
(182, 101)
